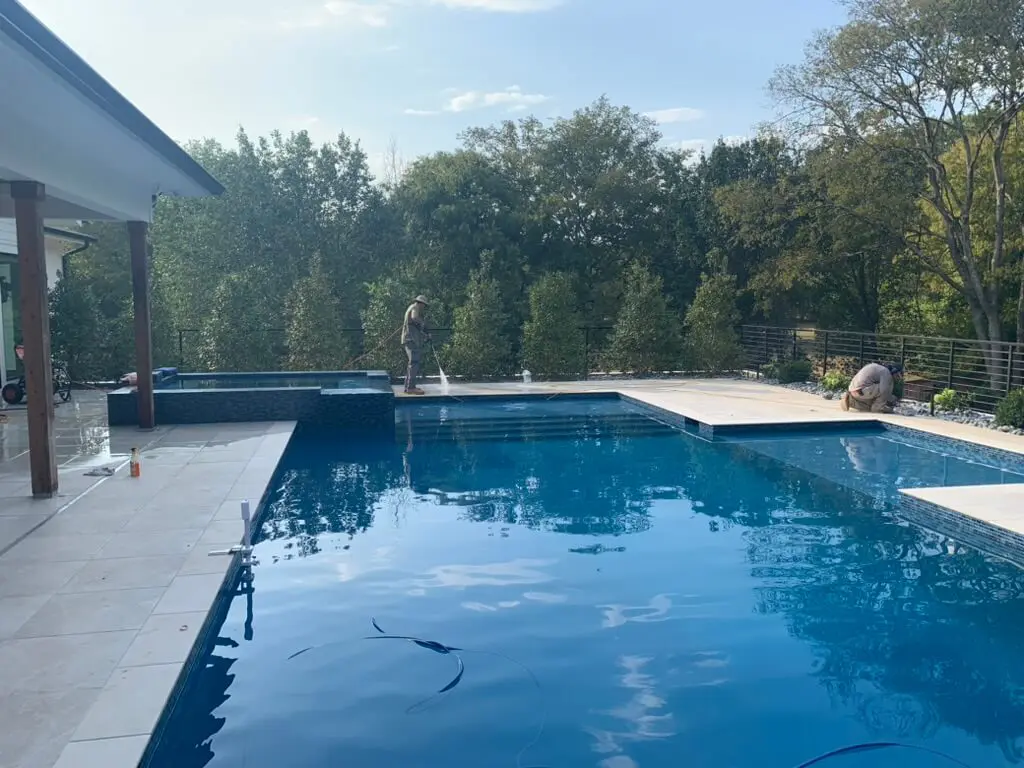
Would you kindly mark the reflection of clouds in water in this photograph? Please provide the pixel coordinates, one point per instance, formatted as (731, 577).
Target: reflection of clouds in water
(538, 597)
(545, 597)
(642, 724)
(485, 608)
(518, 571)
(616, 615)
(351, 569)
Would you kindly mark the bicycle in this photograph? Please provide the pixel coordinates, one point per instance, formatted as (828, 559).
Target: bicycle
(14, 391)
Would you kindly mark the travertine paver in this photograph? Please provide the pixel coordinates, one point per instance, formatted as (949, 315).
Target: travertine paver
(104, 589)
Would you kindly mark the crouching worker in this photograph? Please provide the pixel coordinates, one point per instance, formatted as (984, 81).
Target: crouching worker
(872, 389)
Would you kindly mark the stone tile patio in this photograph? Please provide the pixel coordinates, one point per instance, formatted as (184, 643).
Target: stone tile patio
(104, 588)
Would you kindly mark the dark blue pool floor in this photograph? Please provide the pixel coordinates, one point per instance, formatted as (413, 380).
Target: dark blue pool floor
(655, 601)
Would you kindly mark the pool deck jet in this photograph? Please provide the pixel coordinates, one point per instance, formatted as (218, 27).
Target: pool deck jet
(104, 589)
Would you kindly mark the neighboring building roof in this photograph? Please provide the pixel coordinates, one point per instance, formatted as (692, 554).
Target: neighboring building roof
(70, 235)
(24, 29)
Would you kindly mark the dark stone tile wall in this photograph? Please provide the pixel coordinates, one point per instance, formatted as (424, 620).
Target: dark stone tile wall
(367, 407)
(975, 533)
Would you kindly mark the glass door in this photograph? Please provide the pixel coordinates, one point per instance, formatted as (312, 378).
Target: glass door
(10, 314)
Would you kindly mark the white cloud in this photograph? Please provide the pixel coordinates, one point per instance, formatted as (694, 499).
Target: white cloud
(513, 98)
(675, 115)
(370, 14)
(500, 6)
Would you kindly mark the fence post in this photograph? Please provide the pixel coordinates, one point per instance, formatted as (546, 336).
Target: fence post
(903, 351)
(952, 360)
(181, 349)
(794, 344)
(586, 353)
(824, 356)
(862, 350)
(765, 347)
(1009, 370)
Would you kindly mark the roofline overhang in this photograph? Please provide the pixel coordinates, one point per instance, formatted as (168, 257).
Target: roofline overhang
(39, 42)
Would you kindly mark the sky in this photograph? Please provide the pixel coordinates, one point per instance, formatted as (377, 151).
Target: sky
(415, 73)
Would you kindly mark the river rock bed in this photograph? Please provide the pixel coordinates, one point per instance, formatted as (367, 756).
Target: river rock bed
(912, 408)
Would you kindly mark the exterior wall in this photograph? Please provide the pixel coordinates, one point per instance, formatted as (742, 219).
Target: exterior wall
(55, 249)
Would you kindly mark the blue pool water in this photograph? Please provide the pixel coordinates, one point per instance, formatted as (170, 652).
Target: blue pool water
(627, 596)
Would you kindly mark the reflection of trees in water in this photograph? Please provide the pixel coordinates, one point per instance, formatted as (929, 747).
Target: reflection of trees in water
(907, 636)
(187, 736)
(580, 487)
(330, 485)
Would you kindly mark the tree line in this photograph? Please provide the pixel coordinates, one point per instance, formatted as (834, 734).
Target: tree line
(889, 199)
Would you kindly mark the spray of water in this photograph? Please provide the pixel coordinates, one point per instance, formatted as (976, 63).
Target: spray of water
(440, 370)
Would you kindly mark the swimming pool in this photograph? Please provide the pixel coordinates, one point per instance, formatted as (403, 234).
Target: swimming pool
(627, 595)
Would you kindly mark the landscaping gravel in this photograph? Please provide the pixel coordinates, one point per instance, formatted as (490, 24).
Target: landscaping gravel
(912, 408)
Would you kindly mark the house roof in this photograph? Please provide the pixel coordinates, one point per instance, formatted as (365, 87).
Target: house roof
(70, 235)
(65, 127)
(37, 40)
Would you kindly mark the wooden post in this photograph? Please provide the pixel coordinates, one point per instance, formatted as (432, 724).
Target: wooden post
(139, 245)
(35, 331)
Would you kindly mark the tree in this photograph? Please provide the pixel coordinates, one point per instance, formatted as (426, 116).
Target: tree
(551, 336)
(76, 329)
(711, 340)
(647, 335)
(237, 335)
(912, 79)
(316, 341)
(482, 339)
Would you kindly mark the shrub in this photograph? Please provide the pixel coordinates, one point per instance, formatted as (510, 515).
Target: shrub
(315, 341)
(897, 388)
(711, 341)
(481, 341)
(793, 371)
(951, 400)
(552, 342)
(835, 381)
(647, 337)
(1010, 411)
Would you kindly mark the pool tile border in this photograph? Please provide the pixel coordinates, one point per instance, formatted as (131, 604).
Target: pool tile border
(978, 534)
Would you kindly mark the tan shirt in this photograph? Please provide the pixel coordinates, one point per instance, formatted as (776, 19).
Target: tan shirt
(873, 381)
(414, 326)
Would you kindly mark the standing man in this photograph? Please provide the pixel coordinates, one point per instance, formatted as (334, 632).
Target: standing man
(414, 337)
(872, 389)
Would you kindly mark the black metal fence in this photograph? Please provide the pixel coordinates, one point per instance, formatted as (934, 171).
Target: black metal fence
(982, 372)
(190, 353)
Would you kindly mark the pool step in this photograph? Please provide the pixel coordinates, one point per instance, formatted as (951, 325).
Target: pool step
(533, 428)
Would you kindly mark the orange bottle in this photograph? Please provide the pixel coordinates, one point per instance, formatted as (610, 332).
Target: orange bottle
(135, 465)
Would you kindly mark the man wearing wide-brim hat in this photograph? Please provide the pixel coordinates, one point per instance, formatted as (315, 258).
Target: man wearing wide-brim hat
(414, 338)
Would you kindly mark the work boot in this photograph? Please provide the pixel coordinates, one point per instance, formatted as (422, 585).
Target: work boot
(414, 391)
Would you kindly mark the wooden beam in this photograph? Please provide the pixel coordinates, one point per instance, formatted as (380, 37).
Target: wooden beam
(35, 333)
(139, 245)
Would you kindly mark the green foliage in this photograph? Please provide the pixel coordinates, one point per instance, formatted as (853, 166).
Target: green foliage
(382, 323)
(712, 343)
(76, 329)
(951, 400)
(793, 371)
(481, 341)
(835, 381)
(552, 339)
(897, 388)
(647, 337)
(235, 336)
(314, 336)
(1010, 411)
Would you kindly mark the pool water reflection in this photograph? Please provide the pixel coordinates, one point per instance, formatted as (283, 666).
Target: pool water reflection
(654, 601)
